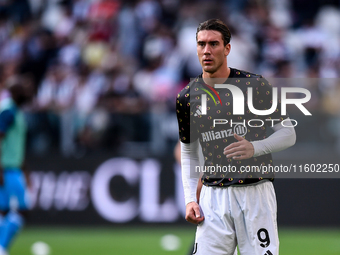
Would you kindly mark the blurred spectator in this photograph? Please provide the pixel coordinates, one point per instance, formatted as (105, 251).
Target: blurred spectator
(56, 96)
(128, 112)
(105, 72)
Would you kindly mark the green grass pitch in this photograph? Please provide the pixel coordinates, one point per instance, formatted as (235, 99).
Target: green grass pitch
(146, 241)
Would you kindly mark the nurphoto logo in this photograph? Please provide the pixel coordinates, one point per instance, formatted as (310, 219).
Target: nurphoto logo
(238, 99)
(238, 104)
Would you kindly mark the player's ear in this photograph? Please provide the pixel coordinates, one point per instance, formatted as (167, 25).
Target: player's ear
(227, 49)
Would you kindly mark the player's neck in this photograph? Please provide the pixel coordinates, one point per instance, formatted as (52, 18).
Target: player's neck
(217, 77)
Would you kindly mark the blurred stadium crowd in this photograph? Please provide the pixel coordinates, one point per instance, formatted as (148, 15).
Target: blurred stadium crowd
(106, 72)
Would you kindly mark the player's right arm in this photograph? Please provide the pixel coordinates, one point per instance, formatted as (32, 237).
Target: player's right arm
(189, 157)
(177, 154)
(190, 178)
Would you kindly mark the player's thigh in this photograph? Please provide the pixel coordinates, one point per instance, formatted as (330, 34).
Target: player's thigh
(256, 225)
(17, 189)
(216, 234)
(4, 199)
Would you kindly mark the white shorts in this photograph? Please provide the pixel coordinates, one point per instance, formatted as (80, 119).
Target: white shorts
(238, 215)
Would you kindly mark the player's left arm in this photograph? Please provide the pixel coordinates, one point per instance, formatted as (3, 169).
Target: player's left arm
(177, 155)
(282, 138)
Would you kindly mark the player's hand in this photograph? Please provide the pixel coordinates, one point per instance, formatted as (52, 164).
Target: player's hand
(242, 149)
(193, 214)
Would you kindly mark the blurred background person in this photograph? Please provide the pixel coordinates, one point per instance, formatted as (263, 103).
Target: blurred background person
(12, 177)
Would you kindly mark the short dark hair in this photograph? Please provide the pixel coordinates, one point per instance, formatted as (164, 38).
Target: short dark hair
(217, 25)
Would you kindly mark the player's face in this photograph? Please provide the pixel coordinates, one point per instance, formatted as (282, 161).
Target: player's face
(211, 50)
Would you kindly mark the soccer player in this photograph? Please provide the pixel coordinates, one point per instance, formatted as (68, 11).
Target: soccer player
(13, 197)
(236, 207)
